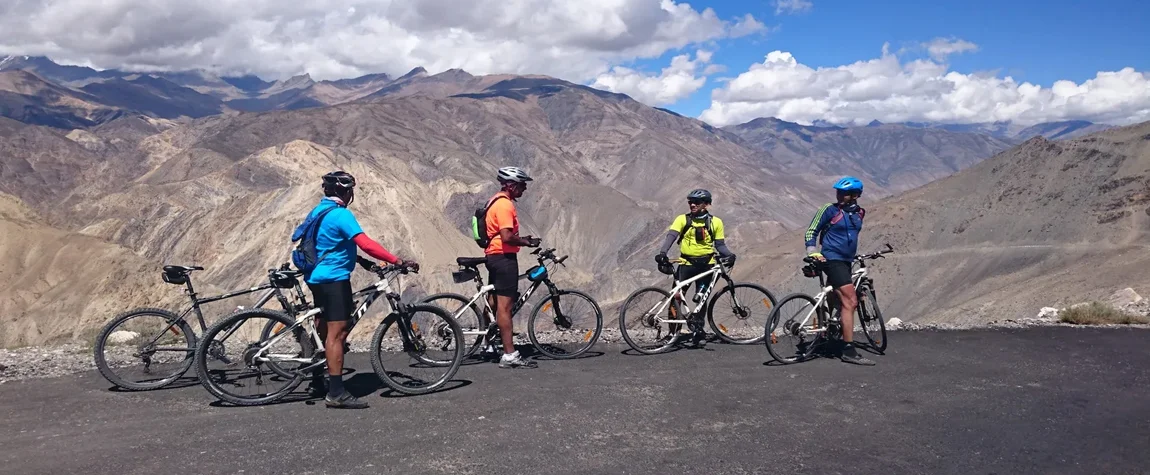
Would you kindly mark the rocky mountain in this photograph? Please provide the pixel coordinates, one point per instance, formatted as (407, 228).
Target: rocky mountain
(1007, 130)
(28, 98)
(1045, 223)
(890, 158)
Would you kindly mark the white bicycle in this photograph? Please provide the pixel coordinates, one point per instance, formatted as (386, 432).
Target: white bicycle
(802, 323)
(652, 319)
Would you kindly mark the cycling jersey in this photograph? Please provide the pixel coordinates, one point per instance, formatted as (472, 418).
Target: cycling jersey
(836, 228)
(334, 242)
(691, 245)
(501, 215)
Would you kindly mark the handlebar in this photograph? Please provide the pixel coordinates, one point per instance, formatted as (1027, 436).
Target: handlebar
(382, 271)
(549, 254)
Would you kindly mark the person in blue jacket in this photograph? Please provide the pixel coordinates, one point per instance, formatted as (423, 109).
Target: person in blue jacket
(835, 228)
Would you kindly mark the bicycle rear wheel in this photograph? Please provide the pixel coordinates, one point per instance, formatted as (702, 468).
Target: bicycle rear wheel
(418, 351)
(641, 320)
(565, 325)
(750, 305)
(469, 318)
(788, 338)
(144, 348)
(233, 361)
(870, 317)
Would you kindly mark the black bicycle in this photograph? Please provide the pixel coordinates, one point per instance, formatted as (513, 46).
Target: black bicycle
(265, 354)
(149, 348)
(792, 335)
(564, 325)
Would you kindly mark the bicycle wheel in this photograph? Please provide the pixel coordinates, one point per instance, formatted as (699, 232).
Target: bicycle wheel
(469, 319)
(232, 360)
(788, 339)
(639, 320)
(750, 305)
(869, 315)
(418, 351)
(570, 325)
(144, 348)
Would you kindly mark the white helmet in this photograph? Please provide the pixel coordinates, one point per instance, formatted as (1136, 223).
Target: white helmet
(512, 174)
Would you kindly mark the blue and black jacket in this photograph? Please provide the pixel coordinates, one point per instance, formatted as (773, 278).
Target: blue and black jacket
(836, 228)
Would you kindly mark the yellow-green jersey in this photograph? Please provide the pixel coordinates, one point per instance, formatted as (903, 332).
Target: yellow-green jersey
(697, 240)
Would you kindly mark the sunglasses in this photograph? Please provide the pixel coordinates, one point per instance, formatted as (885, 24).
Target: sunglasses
(695, 202)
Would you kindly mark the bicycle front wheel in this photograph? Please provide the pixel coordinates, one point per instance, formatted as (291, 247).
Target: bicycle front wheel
(418, 351)
(235, 364)
(469, 318)
(743, 312)
(643, 320)
(791, 329)
(145, 348)
(565, 325)
(870, 318)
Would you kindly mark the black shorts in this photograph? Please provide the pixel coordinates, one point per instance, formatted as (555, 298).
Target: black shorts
(334, 298)
(838, 273)
(503, 273)
(692, 268)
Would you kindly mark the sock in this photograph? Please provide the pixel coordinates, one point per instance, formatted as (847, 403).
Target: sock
(334, 385)
(510, 356)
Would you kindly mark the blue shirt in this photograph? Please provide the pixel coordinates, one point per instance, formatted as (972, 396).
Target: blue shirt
(836, 228)
(334, 243)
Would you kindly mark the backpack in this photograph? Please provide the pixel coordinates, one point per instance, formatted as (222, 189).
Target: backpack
(683, 232)
(479, 222)
(305, 255)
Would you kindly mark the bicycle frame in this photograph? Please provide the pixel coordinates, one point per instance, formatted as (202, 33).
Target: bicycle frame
(716, 271)
(484, 289)
(821, 298)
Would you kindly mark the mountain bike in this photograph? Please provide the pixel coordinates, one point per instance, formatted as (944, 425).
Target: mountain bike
(162, 343)
(274, 352)
(651, 319)
(569, 331)
(792, 318)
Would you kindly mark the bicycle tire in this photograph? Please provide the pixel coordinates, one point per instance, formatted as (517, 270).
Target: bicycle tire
(623, 322)
(773, 322)
(869, 312)
(470, 320)
(201, 359)
(721, 330)
(588, 339)
(456, 361)
(109, 373)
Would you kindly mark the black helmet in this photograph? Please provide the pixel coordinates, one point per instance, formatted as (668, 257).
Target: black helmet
(701, 195)
(338, 181)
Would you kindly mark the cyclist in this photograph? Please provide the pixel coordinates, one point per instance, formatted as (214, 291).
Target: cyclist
(330, 281)
(698, 241)
(835, 228)
(502, 227)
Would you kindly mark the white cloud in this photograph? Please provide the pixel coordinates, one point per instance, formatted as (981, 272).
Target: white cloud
(676, 81)
(783, 7)
(940, 48)
(340, 38)
(889, 90)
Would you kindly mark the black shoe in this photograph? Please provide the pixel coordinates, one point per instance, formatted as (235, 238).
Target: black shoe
(699, 338)
(344, 401)
(851, 356)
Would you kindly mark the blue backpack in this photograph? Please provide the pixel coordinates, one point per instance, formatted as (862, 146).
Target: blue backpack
(306, 256)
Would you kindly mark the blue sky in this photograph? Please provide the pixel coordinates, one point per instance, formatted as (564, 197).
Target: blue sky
(1038, 42)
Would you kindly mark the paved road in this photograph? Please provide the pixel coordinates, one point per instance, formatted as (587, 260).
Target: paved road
(1053, 400)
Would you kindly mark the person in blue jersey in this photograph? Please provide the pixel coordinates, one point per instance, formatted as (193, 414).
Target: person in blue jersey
(338, 237)
(835, 229)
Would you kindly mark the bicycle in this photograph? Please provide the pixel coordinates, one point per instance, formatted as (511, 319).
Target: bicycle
(169, 341)
(477, 318)
(302, 352)
(826, 326)
(651, 321)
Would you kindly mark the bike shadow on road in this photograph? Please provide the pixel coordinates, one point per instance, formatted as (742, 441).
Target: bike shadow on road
(527, 352)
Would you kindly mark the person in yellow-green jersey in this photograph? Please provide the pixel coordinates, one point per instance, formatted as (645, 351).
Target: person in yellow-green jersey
(699, 235)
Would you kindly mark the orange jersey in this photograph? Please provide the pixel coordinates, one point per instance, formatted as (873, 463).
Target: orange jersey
(501, 215)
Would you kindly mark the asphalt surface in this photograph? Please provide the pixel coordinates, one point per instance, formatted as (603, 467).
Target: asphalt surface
(1047, 400)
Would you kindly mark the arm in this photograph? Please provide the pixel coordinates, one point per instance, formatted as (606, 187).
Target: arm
(721, 239)
(668, 241)
(817, 224)
(373, 249)
(513, 238)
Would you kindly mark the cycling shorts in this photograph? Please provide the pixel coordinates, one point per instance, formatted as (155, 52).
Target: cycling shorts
(334, 298)
(503, 273)
(838, 273)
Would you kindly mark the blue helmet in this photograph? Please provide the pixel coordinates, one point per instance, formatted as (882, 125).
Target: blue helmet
(849, 183)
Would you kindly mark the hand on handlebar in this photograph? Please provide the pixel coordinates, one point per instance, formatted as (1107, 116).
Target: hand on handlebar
(532, 241)
(410, 264)
(818, 256)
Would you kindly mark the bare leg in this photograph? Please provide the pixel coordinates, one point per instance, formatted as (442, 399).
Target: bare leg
(848, 302)
(503, 319)
(333, 347)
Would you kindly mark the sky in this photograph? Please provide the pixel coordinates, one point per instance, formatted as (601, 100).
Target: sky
(723, 61)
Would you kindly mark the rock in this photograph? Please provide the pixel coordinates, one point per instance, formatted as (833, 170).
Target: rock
(122, 336)
(1048, 313)
(1124, 297)
(894, 322)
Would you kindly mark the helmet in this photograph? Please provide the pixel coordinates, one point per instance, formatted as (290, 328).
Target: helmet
(849, 183)
(338, 180)
(700, 194)
(513, 174)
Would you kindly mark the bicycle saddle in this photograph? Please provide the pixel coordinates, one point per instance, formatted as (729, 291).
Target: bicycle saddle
(470, 261)
(181, 269)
